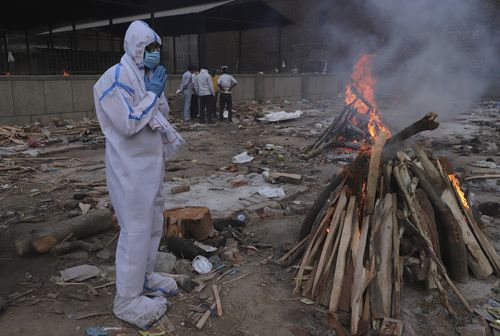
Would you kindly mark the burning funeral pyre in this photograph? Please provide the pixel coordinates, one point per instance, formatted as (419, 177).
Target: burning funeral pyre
(394, 211)
(360, 121)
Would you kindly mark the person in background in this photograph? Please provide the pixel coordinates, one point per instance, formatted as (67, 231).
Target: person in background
(194, 96)
(226, 84)
(187, 91)
(205, 90)
(215, 83)
(132, 111)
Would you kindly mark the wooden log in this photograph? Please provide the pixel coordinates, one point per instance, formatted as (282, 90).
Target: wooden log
(342, 256)
(315, 210)
(68, 246)
(327, 275)
(429, 168)
(453, 248)
(478, 263)
(373, 173)
(329, 237)
(188, 222)
(428, 216)
(312, 246)
(440, 267)
(362, 276)
(184, 248)
(483, 241)
(381, 286)
(397, 267)
(427, 123)
(83, 226)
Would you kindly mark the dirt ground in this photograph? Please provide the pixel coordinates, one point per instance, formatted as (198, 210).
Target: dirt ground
(45, 190)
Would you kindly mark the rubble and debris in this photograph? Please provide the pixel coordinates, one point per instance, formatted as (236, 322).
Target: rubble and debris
(79, 273)
(165, 262)
(270, 192)
(180, 189)
(280, 116)
(242, 158)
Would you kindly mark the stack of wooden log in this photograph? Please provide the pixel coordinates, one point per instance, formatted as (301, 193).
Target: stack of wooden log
(390, 210)
(349, 129)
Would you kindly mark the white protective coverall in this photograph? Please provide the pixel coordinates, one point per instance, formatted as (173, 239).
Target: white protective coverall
(138, 137)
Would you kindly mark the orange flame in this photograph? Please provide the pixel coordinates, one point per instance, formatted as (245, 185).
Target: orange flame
(65, 73)
(456, 184)
(364, 82)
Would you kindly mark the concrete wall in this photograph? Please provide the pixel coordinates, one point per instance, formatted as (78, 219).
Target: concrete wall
(26, 99)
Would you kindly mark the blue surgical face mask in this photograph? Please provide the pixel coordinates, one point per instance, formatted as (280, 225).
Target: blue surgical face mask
(151, 59)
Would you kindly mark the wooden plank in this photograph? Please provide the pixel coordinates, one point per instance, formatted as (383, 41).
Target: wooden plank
(476, 259)
(373, 173)
(329, 237)
(310, 251)
(482, 177)
(341, 257)
(429, 168)
(397, 267)
(361, 277)
(201, 322)
(327, 273)
(293, 249)
(381, 286)
(217, 300)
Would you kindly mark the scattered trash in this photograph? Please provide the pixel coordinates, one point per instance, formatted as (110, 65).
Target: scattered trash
(201, 265)
(154, 331)
(206, 248)
(270, 192)
(84, 207)
(280, 116)
(242, 158)
(79, 273)
(307, 301)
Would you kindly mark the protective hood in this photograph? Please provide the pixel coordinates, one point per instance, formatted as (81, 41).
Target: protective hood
(139, 34)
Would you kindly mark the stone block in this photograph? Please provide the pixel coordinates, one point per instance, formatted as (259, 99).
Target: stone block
(83, 95)
(6, 99)
(58, 96)
(189, 222)
(29, 97)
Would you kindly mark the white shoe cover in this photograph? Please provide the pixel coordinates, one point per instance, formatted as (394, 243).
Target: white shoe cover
(156, 285)
(140, 311)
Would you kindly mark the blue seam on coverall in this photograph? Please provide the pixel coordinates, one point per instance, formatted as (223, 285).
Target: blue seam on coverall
(159, 289)
(130, 91)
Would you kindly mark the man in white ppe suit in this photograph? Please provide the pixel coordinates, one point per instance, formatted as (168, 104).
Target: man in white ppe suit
(132, 112)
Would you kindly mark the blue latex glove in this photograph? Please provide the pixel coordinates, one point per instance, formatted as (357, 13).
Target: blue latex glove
(157, 82)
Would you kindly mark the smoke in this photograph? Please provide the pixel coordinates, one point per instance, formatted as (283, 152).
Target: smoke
(429, 55)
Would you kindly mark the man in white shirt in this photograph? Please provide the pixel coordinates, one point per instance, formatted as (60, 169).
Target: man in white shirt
(194, 95)
(205, 90)
(187, 91)
(226, 84)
